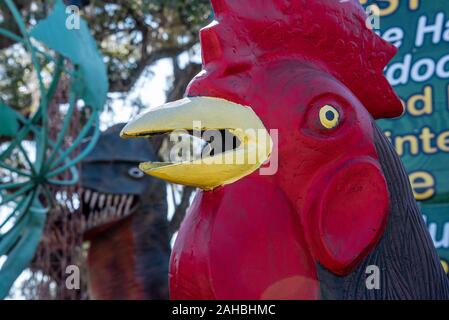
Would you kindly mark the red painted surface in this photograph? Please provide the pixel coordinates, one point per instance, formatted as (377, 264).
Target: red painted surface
(242, 242)
(262, 237)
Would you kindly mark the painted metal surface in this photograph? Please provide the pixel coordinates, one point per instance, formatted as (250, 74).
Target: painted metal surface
(21, 229)
(216, 170)
(313, 71)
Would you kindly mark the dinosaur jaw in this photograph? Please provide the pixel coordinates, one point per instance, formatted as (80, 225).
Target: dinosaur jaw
(102, 210)
(205, 115)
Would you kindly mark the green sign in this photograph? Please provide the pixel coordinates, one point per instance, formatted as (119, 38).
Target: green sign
(437, 219)
(420, 75)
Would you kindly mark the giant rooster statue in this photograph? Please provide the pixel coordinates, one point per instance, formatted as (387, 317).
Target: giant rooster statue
(340, 201)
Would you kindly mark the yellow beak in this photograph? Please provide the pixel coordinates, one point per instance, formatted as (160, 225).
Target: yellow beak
(255, 144)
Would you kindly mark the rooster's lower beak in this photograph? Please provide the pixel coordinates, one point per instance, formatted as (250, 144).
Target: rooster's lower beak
(254, 148)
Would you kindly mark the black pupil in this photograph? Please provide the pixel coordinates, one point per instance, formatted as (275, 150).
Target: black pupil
(330, 116)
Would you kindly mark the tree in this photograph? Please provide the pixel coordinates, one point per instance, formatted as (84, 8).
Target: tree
(132, 35)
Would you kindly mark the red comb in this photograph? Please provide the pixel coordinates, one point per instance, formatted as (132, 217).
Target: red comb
(330, 33)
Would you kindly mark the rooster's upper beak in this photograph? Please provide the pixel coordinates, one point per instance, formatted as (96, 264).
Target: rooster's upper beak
(213, 114)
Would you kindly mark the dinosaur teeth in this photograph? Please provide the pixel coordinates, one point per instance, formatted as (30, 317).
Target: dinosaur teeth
(109, 200)
(105, 208)
(116, 200)
(101, 200)
(122, 204)
(87, 196)
(93, 200)
(110, 212)
(129, 203)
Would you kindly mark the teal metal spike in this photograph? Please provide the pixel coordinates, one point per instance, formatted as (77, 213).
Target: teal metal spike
(22, 228)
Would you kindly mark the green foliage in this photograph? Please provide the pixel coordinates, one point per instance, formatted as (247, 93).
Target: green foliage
(135, 34)
(17, 82)
(15, 78)
(132, 35)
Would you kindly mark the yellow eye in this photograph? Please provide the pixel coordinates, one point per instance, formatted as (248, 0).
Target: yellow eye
(329, 117)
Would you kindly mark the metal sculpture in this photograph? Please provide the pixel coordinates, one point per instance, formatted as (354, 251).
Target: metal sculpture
(125, 214)
(340, 201)
(74, 54)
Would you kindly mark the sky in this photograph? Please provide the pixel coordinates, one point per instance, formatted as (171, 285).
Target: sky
(151, 90)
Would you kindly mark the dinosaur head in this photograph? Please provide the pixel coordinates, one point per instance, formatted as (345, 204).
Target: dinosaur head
(113, 187)
(126, 224)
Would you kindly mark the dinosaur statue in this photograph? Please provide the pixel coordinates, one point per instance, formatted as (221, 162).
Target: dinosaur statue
(340, 203)
(125, 221)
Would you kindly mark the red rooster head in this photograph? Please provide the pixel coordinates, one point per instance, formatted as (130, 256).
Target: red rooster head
(326, 35)
(312, 70)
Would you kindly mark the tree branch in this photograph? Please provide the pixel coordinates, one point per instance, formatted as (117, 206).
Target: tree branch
(125, 85)
(180, 211)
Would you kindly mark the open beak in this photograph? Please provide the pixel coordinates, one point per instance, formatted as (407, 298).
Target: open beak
(213, 114)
